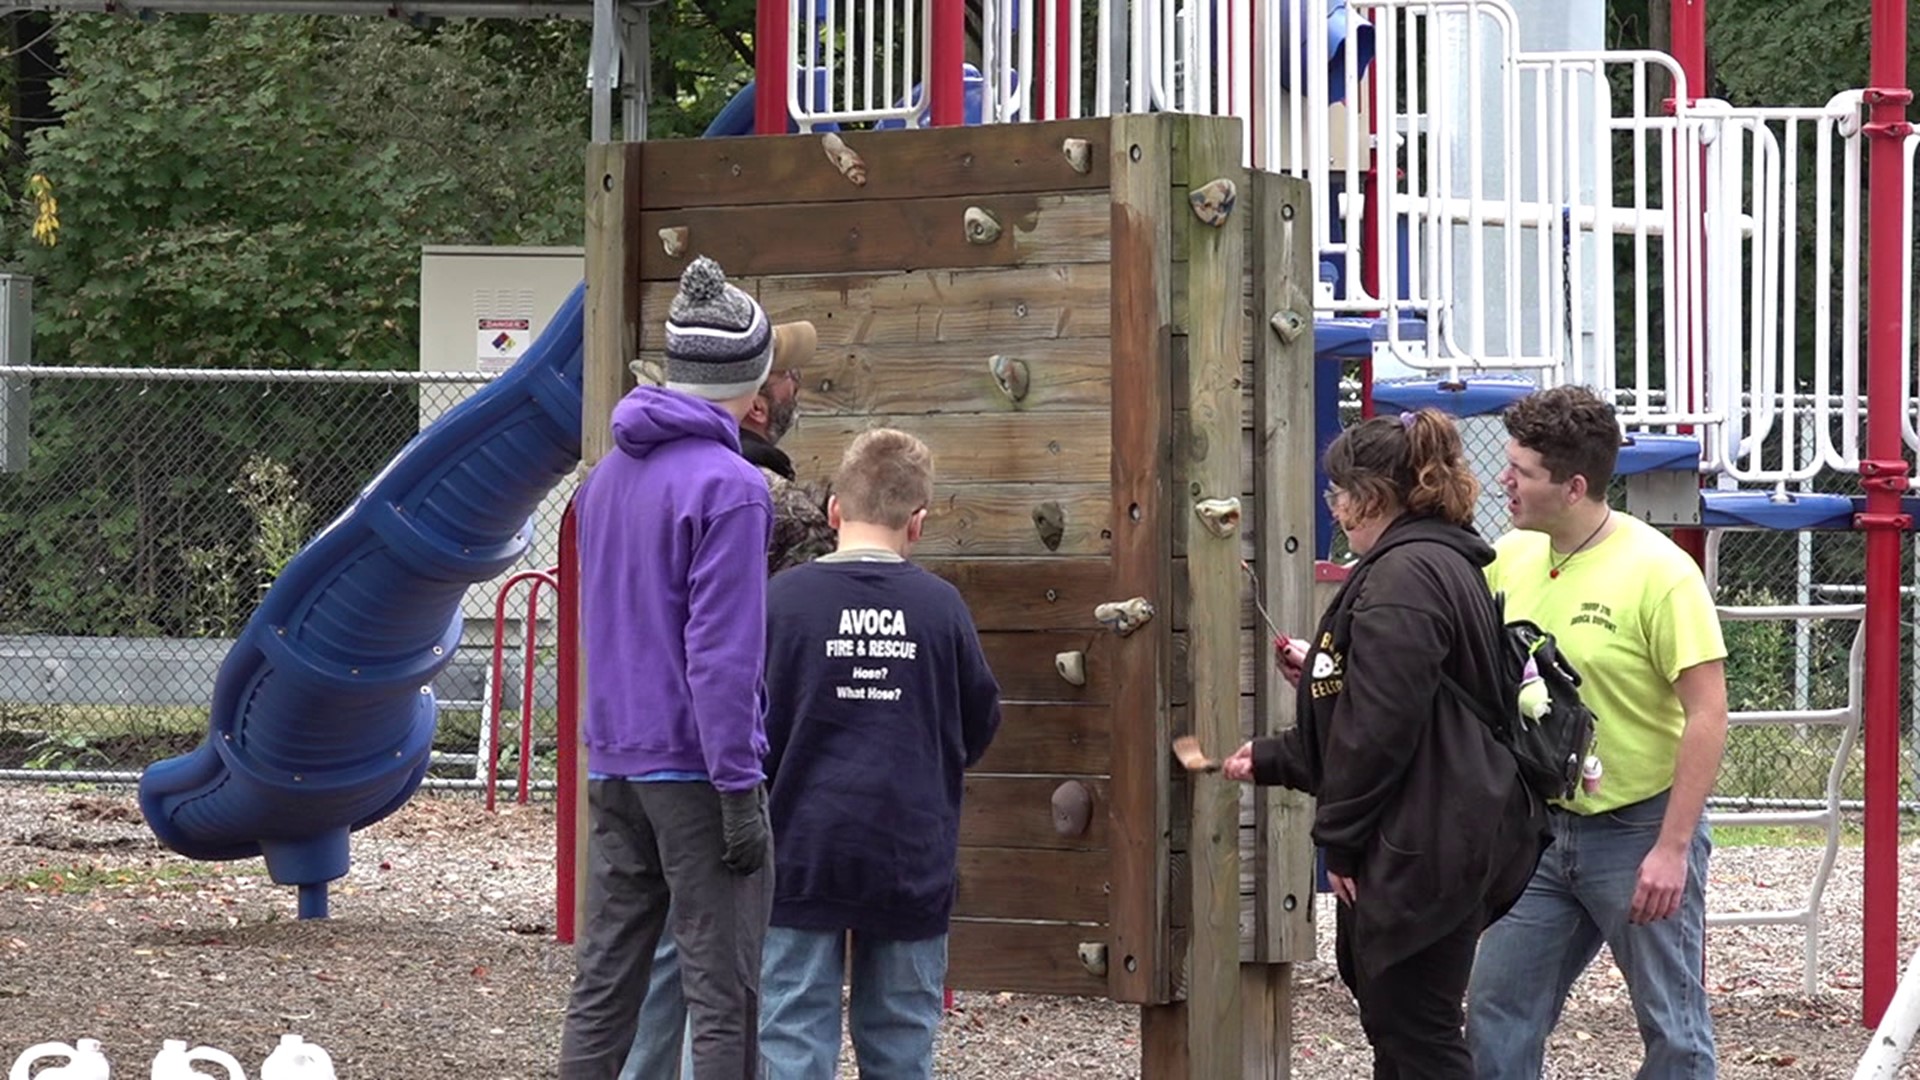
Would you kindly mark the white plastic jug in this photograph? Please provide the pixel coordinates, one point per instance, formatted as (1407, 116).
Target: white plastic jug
(84, 1061)
(297, 1059)
(176, 1062)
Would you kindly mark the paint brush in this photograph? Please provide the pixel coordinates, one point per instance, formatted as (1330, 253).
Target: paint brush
(1187, 749)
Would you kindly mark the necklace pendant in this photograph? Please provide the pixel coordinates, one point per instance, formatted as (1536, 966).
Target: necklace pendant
(1553, 573)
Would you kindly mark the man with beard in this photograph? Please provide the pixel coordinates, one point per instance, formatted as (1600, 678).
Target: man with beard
(800, 534)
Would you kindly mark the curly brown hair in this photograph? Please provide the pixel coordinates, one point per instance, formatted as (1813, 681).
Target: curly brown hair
(1414, 460)
(1573, 430)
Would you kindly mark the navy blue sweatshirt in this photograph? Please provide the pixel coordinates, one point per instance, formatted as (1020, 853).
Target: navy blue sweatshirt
(878, 699)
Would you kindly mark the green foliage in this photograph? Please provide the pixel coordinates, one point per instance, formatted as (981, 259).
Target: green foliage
(252, 192)
(702, 55)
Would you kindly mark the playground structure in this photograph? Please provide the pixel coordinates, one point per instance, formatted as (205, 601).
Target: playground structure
(1066, 313)
(1371, 204)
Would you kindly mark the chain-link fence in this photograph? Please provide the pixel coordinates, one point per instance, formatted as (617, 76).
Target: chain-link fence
(150, 510)
(147, 515)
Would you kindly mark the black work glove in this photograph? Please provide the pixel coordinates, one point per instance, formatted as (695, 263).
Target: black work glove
(743, 828)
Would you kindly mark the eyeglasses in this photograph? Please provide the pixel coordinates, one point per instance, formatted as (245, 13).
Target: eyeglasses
(1333, 494)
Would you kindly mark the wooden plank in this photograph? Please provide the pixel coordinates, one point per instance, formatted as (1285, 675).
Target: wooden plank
(1256, 656)
(1051, 448)
(1284, 446)
(1215, 271)
(1027, 594)
(927, 307)
(876, 237)
(1002, 519)
(1064, 374)
(1014, 883)
(611, 305)
(1163, 1043)
(1058, 740)
(1266, 991)
(899, 165)
(1138, 969)
(1017, 812)
(1022, 958)
(1024, 665)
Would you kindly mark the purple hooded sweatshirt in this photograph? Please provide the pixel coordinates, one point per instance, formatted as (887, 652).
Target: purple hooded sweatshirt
(673, 554)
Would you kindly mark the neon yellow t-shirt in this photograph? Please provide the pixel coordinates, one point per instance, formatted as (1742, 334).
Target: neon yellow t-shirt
(1631, 613)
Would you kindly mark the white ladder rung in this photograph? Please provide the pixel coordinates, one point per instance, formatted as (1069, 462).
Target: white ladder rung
(1771, 819)
(1791, 716)
(1796, 917)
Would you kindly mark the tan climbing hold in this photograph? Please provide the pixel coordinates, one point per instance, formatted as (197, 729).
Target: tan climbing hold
(673, 240)
(1213, 201)
(1220, 516)
(1079, 154)
(1123, 617)
(1010, 375)
(982, 227)
(1050, 521)
(1072, 667)
(851, 165)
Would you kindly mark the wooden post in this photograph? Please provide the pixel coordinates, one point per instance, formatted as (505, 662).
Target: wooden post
(610, 341)
(1283, 448)
(1142, 423)
(1210, 463)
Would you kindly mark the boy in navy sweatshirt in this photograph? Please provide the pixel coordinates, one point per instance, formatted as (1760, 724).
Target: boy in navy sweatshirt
(879, 698)
(674, 528)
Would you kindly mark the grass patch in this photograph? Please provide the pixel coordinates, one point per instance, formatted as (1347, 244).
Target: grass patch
(1852, 835)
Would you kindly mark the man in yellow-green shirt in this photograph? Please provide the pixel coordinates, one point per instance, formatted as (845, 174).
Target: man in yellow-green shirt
(1628, 865)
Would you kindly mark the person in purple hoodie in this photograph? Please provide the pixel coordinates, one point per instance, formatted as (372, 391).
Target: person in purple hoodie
(673, 534)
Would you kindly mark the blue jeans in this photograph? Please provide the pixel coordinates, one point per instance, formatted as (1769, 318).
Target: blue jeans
(893, 1008)
(662, 1045)
(1579, 898)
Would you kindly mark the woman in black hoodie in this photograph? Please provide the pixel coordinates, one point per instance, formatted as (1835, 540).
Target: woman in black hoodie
(1427, 830)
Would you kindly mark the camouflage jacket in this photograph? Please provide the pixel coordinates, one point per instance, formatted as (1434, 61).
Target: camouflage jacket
(800, 530)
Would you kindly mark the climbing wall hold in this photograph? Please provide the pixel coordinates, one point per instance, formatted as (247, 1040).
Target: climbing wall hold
(1220, 516)
(673, 240)
(1079, 154)
(1050, 521)
(1072, 808)
(1072, 666)
(1123, 617)
(982, 227)
(1213, 201)
(851, 165)
(1010, 375)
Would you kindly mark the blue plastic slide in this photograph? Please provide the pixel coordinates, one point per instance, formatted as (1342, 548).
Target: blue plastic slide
(323, 712)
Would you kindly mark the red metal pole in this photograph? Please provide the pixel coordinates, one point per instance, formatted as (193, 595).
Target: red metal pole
(949, 53)
(1043, 75)
(1687, 24)
(770, 56)
(529, 667)
(567, 722)
(1883, 473)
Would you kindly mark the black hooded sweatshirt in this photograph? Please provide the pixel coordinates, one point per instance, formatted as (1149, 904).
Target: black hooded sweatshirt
(1416, 801)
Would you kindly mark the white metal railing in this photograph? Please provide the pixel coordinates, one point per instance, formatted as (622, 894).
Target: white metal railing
(1759, 169)
(1826, 816)
(855, 61)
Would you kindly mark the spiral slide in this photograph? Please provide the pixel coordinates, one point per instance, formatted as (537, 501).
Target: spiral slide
(323, 712)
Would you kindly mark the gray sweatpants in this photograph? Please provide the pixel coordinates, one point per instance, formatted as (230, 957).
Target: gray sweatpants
(652, 845)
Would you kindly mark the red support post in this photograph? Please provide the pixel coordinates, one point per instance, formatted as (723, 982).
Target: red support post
(1883, 473)
(567, 723)
(1687, 26)
(770, 56)
(949, 49)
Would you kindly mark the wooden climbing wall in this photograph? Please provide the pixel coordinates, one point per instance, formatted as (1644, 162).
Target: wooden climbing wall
(1044, 307)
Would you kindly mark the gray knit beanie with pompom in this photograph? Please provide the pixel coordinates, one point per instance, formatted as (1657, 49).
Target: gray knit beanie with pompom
(719, 345)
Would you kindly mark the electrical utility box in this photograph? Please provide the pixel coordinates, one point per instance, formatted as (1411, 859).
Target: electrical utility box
(480, 308)
(16, 350)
